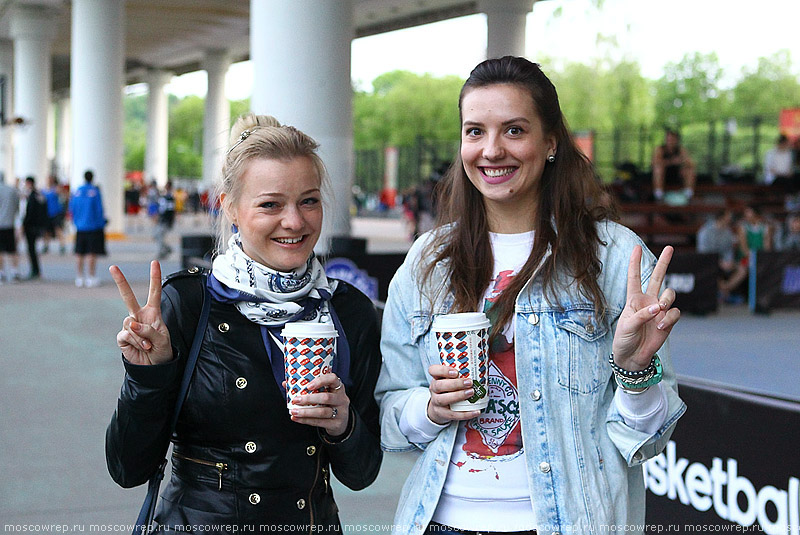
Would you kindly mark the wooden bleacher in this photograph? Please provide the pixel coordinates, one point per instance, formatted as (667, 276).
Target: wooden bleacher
(661, 224)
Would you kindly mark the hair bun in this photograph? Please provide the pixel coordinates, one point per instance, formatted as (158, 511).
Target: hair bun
(248, 121)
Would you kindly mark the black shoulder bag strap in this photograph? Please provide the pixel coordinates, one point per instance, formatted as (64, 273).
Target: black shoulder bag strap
(147, 513)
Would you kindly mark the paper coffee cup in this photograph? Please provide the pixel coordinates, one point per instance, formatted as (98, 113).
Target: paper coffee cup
(308, 351)
(463, 343)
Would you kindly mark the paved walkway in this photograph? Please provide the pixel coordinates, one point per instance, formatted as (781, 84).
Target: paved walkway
(61, 375)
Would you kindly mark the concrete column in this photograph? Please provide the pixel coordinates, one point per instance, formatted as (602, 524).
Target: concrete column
(6, 136)
(156, 149)
(33, 29)
(217, 118)
(63, 163)
(309, 86)
(98, 35)
(505, 20)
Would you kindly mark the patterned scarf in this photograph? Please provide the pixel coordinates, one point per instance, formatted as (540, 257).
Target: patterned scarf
(272, 298)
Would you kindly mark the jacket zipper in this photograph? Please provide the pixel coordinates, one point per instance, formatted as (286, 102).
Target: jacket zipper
(221, 467)
(312, 529)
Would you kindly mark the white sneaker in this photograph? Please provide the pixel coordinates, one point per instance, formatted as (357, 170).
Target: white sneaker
(92, 282)
(79, 282)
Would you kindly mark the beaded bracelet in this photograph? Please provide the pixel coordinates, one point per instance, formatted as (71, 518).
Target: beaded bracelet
(650, 369)
(627, 379)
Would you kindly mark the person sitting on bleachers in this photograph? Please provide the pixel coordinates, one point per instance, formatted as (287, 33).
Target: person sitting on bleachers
(778, 166)
(791, 236)
(716, 236)
(672, 166)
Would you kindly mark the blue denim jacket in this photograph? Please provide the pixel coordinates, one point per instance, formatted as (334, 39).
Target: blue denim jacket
(583, 461)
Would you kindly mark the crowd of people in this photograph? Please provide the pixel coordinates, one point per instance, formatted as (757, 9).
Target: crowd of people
(36, 221)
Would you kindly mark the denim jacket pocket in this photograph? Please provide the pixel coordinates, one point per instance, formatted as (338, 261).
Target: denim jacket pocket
(421, 335)
(580, 355)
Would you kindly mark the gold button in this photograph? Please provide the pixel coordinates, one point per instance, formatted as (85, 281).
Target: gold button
(224, 327)
(254, 498)
(301, 503)
(250, 447)
(241, 383)
(193, 269)
(311, 450)
(590, 328)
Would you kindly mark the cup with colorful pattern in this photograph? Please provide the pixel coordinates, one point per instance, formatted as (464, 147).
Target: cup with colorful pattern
(463, 343)
(308, 352)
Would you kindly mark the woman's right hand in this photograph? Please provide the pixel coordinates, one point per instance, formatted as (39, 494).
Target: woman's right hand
(144, 338)
(447, 388)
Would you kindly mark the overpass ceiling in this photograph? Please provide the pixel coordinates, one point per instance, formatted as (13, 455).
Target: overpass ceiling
(174, 34)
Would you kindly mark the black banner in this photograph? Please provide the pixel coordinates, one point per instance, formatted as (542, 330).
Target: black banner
(693, 276)
(774, 280)
(732, 465)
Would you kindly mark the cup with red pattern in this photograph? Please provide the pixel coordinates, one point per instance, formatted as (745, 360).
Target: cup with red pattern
(463, 343)
(308, 352)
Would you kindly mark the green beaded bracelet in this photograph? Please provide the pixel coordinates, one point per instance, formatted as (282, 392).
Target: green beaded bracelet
(625, 382)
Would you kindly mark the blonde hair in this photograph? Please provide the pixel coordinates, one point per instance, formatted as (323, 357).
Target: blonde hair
(253, 137)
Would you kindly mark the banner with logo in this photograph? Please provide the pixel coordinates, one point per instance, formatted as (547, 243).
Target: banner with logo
(775, 280)
(370, 273)
(733, 464)
(693, 276)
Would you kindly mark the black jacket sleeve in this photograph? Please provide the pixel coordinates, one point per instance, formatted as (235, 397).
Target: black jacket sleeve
(356, 459)
(137, 438)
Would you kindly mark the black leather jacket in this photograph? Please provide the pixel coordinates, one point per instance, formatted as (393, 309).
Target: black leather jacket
(238, 459)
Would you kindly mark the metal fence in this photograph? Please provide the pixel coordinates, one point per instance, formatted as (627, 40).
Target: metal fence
(722, 150)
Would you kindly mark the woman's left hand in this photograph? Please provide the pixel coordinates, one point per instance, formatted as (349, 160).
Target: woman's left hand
(333, 412)
(647, 318)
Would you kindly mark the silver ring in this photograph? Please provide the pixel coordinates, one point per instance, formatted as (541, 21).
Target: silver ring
(340, 384)
(334, 412)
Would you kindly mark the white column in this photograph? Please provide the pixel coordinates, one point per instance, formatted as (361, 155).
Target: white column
(309, 86)
(6, 137)
(505, 20)
(63, 165)
(97, 62)
(217, 118)
(33, 29)
(156, 148)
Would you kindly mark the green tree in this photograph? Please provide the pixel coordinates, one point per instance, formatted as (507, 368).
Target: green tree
(403, 107)
(767, 89)
(134, 131)
(689, 91)
(185, 153)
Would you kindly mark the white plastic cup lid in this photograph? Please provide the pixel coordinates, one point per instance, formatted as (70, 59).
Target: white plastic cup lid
(309, 330)
(461, 321)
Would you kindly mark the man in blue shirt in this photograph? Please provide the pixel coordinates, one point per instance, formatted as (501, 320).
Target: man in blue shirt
(86, 206)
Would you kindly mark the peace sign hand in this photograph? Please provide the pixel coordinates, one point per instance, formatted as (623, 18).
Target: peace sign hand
(144, 338)
(647, 318)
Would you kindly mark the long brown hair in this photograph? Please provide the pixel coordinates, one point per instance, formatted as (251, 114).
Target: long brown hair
(570, 201)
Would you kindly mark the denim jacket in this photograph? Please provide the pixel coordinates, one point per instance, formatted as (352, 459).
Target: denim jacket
(583, 462)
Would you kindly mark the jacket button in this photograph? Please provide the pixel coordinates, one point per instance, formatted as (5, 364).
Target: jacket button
(536, 395)
(301, 503)
(589, 328)
(533, 319)
(224, 327)
(254, 498)
(193, 269)
(241, 383)
(250, 447)
(544, 467)
(311, 450)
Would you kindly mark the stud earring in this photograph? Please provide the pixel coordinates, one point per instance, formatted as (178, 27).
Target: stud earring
(551, 158)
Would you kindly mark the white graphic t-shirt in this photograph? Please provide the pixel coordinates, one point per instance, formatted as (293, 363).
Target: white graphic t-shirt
(487, 485)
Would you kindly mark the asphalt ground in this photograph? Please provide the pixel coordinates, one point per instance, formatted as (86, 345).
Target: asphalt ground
(62, 373)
